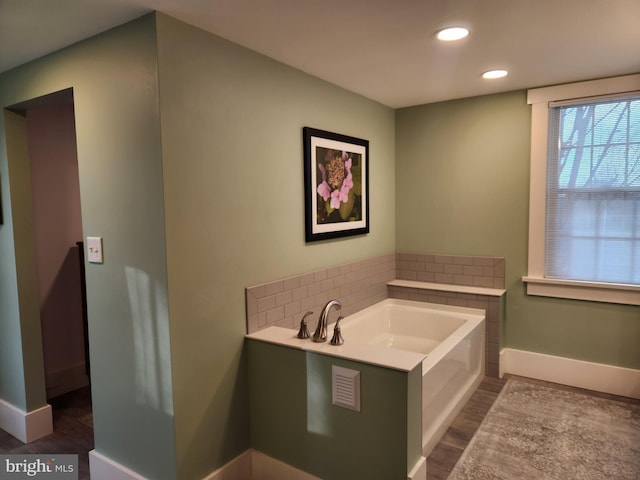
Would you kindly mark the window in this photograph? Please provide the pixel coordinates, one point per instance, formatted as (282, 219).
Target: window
(593, 192)
(585, 191)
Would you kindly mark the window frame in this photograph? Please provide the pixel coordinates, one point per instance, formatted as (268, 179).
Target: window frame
(536, 283)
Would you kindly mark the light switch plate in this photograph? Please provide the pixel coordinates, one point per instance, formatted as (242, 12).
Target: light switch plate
(94, 250)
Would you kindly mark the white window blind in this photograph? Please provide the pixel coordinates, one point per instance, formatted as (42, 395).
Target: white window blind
(593, 191)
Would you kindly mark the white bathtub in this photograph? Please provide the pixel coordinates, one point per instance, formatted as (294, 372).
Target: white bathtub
(451, 340)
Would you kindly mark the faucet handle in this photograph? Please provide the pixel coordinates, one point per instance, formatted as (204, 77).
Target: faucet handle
(337, 336)
(304, 330)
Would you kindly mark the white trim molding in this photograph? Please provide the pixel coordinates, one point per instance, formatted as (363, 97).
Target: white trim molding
(589, 88)
(103, 468)
(66, 380)
(567, 371)
(239, 467)
(255, 465)
(265, 467)
(249, 465)
(596, 292)
(26, 426)
(419, 470)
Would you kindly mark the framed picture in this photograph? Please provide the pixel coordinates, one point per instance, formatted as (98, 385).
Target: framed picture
(336, 185)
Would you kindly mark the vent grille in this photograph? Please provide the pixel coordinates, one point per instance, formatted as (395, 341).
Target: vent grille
(346, 387)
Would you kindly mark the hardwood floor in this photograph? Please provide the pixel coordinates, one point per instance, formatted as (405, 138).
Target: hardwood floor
(72, 431)
(445, 455)
(447, 452)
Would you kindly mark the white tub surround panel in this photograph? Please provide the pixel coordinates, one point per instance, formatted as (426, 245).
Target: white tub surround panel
(491, 300)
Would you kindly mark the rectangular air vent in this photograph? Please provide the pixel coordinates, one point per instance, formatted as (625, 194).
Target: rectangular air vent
(345, 385)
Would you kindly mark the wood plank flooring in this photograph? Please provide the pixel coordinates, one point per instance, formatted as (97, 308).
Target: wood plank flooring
(447, 452)
(445, 455)
(72, 431)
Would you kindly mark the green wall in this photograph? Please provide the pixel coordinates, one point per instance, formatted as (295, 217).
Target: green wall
(21, 357)
(114, 81)
(462, 187)
(293, 419)
(233, 174)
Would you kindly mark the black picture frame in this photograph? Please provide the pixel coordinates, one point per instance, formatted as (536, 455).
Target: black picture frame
(336, 185)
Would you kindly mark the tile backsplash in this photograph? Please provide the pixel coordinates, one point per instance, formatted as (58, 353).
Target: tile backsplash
(283, 302)
(452, 269)
(361, 284)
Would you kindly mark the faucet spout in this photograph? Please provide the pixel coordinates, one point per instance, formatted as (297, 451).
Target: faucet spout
(320, 334)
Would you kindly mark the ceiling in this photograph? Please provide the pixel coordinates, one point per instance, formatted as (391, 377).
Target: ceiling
(382, 49)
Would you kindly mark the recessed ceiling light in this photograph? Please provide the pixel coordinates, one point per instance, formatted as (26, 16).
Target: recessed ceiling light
(495, 74)
(452, 33)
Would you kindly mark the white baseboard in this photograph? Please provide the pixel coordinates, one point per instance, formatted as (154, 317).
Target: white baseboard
(419, 471)
(576, 373)
(255, 465)
(237, 469)
(65, 380)
(103, 468)
(26, 426)
(265, 467)
(249, 465)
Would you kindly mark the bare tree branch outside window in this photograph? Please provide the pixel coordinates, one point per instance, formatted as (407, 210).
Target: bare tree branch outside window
(593, 192)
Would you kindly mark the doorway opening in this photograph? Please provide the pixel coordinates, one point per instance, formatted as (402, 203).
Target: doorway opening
(59, 261)
(55, 191)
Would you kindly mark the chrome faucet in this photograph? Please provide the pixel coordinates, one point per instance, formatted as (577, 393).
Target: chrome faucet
(320, 334)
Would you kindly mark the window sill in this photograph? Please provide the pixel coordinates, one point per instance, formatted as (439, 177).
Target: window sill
(590, 291)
